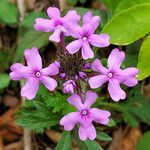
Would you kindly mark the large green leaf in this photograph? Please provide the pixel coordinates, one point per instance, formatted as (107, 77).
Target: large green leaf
(4, 80)
(8, 12)
(103, 136)
(65, 142)
(125, 4)
(129, 25)
(31, 39)
(143, 59)
(144, 142)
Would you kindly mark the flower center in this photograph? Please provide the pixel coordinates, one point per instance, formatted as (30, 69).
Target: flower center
(59, 26)
(84, 38)
(84, 112)
(110, 75)
(38, 74)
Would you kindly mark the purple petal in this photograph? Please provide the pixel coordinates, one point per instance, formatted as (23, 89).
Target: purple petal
(87, 51)
(71, 16)
(97, 81)
(128, 76)
(49, 83)
(53, 12)
(30, 89)
(115, 91)
(98, 67)
(33, 58)
(20, 71)
(91, 132)
(74, 30)
(87, 17)
(42, 25)
(55, 37)
(74, 46)
(101, 40)
(115, 59)
(91, 26)
(51, 70)
(90, 98)
(100, 116)
(75, 101)
(70, 120)
(82, 133)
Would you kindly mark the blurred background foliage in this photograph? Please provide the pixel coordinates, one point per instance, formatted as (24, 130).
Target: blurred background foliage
(128, 24)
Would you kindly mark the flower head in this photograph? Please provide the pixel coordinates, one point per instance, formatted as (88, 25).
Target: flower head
(56, 23)
(85, 36)
(85, 116)
(69, 87)
(34, 74)
(114, 75)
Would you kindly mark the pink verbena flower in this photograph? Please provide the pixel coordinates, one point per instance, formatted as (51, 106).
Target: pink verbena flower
(56, 23)
(34, 74)
(114, 75)
(85, 36)
(85, 116)
(69, 87)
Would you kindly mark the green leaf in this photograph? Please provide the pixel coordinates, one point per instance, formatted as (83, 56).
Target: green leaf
(72, 2)
(34, 115)
(65, 142)
(29, 20)
(129, 25)
(144, 142)
(103, 136)
(111, 5)
(143, 59)
(93, 145)
(8, 12)
(125, 4)
(4, 80)
(31, 39)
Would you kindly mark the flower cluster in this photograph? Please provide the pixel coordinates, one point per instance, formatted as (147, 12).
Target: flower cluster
(71, 67)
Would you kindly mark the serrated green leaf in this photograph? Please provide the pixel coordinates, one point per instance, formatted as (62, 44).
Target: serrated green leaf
(4, 80)
(144, 143)
(31, 39)
(129, 25)
(143, 59)
(103, 136)
(65, 142)
(93, 145)
(8, 12)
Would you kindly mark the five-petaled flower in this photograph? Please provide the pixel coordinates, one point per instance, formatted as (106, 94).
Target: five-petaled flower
(34, 74)
(85, 116)
(56, 23)
(85, 36)
(114, 75)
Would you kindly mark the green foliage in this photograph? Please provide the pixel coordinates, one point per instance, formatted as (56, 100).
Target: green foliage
(74, 2)
(29, 20)
(103, 136)
(92, 145)
(144, 142)
(136, 108)
(4, 80)
(8, 12)
(129, 25)
(143, 59)
(31, 39)
(125, 4)
(65, 142)
(34, 115)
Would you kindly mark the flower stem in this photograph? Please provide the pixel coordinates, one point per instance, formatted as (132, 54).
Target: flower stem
(62, 43)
